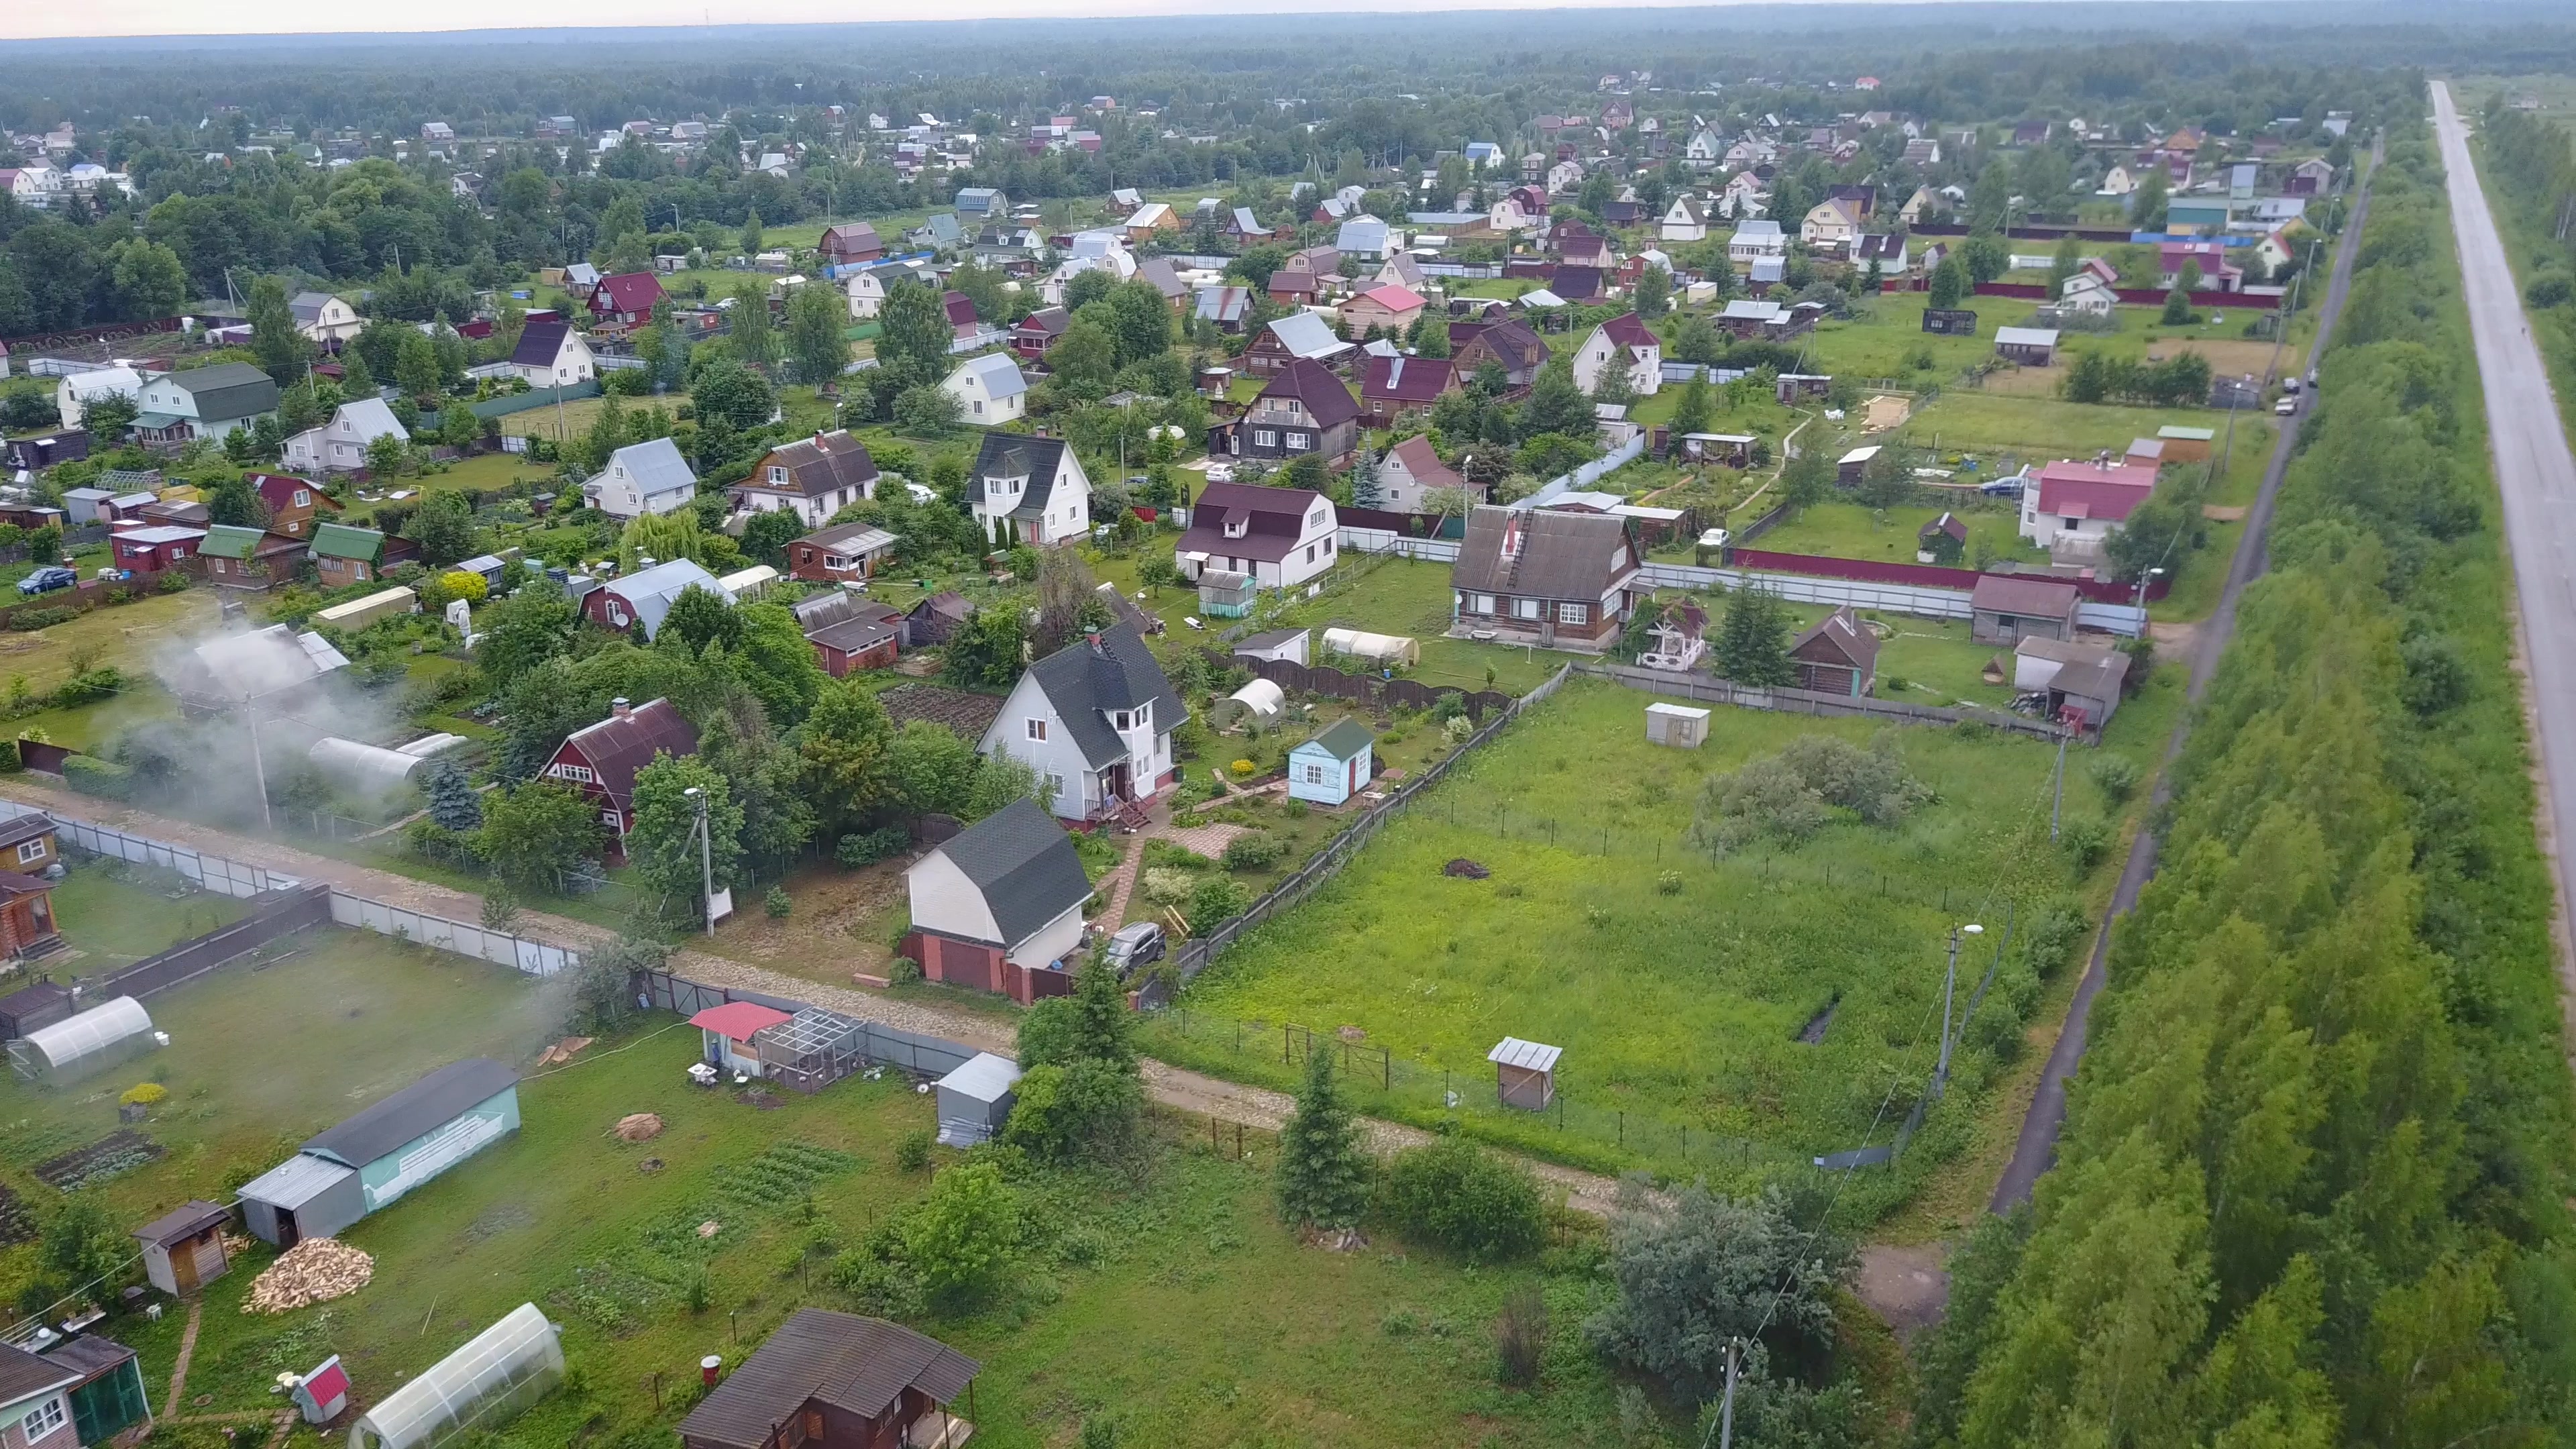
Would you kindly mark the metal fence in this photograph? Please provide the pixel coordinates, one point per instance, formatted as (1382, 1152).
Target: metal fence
(501, 948)
(921, 1056)
(234, 878)
(1707, 690)
(1195, 953)
(1588, 474)
(280, 915)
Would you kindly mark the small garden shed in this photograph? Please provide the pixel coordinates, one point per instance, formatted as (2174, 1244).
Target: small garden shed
(183, 1250)
(728, 1032)
(975, 1100)
(1525, 1073)
(1678, 725)
(1333, 766)
(1225, 594)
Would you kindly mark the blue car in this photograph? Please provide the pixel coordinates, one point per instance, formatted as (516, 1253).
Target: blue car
(46, 580)
(2002, 488)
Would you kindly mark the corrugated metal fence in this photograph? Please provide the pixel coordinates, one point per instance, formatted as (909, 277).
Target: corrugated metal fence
(280, 915)
(228, 877)
(879, 1044)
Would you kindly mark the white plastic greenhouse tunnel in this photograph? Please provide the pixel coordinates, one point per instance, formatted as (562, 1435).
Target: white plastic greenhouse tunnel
(1376, 648)
(1259, 702)
(483, 1385)
(102, 1036)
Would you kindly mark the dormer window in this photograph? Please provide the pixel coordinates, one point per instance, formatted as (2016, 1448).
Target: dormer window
(778, 475)
(1237, 527)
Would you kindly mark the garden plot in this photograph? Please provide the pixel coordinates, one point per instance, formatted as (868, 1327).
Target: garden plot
(1677, 984)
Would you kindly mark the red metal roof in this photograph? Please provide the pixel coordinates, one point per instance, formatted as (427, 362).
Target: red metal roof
(2110, 491)
(1628, 330)
(738, 1019)
(329, 1383)
(634, 292)
(1407, 379)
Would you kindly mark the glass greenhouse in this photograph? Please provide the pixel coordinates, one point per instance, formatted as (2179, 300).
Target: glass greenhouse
(485, 1384)
(99, 1037)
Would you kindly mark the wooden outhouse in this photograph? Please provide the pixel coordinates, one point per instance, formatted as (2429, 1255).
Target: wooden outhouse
(184, 1250)
(1525, 1072)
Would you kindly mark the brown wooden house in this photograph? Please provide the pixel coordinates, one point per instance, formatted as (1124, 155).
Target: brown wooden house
(27, 843)
(292, 502)
(838, 1381)
(600, 760)
(845, 553)
(26, 916)
(1836, 655)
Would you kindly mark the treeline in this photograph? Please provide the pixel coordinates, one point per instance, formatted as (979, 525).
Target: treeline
(2314, 1181)
(2532, 166)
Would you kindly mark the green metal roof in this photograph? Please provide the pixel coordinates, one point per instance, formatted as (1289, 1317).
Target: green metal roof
(230, 540)
(341, 540)
(1347, 739)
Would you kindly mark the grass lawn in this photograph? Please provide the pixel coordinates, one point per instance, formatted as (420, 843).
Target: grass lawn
(1406, 596)
(1677, 1008)
(556, 421)
(1171, 1299)
(115, 914)
(129, 636)
(2042, 428)
(1887, 535)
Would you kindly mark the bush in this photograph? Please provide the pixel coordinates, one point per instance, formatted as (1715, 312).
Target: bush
(2053, 938)
(143, 1094)
(172, 582)
(1216, 899)
(1520, 1337)
(2085, 843)
(91, 775)
(1455, 1194)
(27, 621)
(912, 1153)
(869, 847)
(1256, 850)
(777, 903)
(10, 761)
(2117, 776)
(904, 972)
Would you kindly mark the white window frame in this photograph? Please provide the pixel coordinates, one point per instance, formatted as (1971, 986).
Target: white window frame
(44, 1419)
(1315, 774)
(303, 497)
(1037, 728)
(31, 850)
(1265, 438)
(1300, 442)
(1145, 716)
(1574, 613)
(1525, 609)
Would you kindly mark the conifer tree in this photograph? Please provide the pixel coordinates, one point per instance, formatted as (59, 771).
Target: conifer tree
(1323, 1178)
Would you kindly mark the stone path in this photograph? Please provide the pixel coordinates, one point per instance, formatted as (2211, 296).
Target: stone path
(187, 1351)
(1120, 886)
(1253, 1107)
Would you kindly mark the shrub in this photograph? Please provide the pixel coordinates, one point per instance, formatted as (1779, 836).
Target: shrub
(500, 908)
(1256, 850)
(777, 903)
(1669, 883)
(1455, 1194)
(91, 775)
(2117, 776)
(2085, 843)
(965, 1234)
(912, 1153)
(2052, 938)
(1216, 899)
(869, 847)
(27, 621)
(10, 761)
(1790, 796)
(173, 582)
(1520, 1337)
(143, 1094)
(1243, 767)
(904, 972)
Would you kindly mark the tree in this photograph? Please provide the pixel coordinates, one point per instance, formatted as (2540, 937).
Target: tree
(913, 334)
(1752, 646)
(531, 833)
(452, 800)
(1142, 320)
(525, 630)
(2062, 264)
(1949, 284)
(1556, 404)
(927, 411)
(1002, 779)
(1323, 1171)
(1692, 410)
(2147, 203)
(237, 503)
(816, 316)
(1080, 1053)
(728, 390)
(356, 378)
(747, 326)
(964, 1236)
(386, 454)
(930, 769)
(145, 279)
(768, 532)
(984, 652)
(700, 618)
(1987, 257)
(846, 746)
(773, 660)
(416, 367)
(1696, 340)
(444, 526)
(2177, 311)
(1989, 200)
(751, 234)
(82, 1255)
(1365, 490)
(662, 842)
(1085, 358)
(1697, 1271)
(281, 350)
(1654, 292)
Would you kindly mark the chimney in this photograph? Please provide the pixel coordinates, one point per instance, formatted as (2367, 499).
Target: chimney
(818, 437)
(617, 708)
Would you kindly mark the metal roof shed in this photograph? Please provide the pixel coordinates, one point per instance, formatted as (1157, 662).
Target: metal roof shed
(975, 1099)
(499, 1372)
(424, 1129)
(302, 1197)
(99, 1037)
(1525, 1073)
(183, 1250)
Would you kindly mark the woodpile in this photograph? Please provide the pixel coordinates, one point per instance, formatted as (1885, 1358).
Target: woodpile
(316, 1270)
(639, 1127)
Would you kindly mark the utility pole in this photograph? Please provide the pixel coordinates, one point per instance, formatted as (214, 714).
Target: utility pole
(1949, 987)
(1726, 1411)
(2056, 805)
(707, 863)
(258, 771)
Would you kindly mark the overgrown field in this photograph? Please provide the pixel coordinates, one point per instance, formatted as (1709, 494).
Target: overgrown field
(1679, 985)
(2314, 1183)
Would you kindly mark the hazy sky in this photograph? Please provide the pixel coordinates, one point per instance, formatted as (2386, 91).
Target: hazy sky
(28, 19)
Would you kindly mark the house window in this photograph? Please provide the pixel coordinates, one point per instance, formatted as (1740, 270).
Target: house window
(577, 774)
(1310, 553)
(43, 1419)
(1524, 608)
(1037, 729)
(1118, 720)
(1265, 438)
(303, 497)
(358, 570)
(613, 821)
(33, 850)
(1299, 442)
(1145, 717)
(1315, 774)
(2066, 523)
(778, 475)
(1573, 613)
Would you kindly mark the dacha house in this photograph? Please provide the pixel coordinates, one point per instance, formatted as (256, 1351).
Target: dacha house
(601, 760)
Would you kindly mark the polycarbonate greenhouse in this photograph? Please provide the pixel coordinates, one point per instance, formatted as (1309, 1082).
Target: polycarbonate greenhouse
(483, 1385)
(99, 1037)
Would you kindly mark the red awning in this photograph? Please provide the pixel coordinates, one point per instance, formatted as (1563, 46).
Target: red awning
(738, 1019)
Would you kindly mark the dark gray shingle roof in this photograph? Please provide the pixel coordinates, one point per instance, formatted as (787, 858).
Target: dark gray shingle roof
(1117, 672)
(1024, 863)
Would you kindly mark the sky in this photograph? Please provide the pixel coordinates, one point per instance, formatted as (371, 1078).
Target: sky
(29, 20)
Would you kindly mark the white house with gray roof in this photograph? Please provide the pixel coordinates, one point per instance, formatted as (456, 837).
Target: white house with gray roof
(642, 478)
(989, 390)
(998, 906)
(1095, 720)
(340, 444)
(324, 319)
(1028, 490)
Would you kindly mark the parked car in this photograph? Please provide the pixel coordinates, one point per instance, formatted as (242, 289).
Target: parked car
(2002, 487)
(1136, 944)
(46, 580)
(1220, 472)
(2286, 406)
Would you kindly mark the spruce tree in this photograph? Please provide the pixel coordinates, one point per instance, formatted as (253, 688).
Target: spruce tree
(1323, 1178)
(1365, 490)
(452, 801)
(1752, 645)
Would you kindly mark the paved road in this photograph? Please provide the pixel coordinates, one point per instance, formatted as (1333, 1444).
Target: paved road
(2537, 477)
(2036, 1150)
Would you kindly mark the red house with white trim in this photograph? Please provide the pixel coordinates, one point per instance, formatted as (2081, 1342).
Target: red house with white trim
(625, 300)
(600, 760)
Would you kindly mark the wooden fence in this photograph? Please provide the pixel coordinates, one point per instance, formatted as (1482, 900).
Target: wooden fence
(1706, 690)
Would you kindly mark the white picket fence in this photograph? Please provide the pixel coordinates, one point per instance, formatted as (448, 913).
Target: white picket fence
(242, 880)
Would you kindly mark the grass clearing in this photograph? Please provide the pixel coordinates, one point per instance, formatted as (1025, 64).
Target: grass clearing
(1677, 1008)
(1887, 535)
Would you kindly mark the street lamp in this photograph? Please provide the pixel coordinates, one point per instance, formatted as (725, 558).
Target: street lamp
(707, 866)
(2146, 578)
(1949, 986)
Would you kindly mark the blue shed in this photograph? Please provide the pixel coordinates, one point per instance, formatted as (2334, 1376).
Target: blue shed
(1331, 767)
